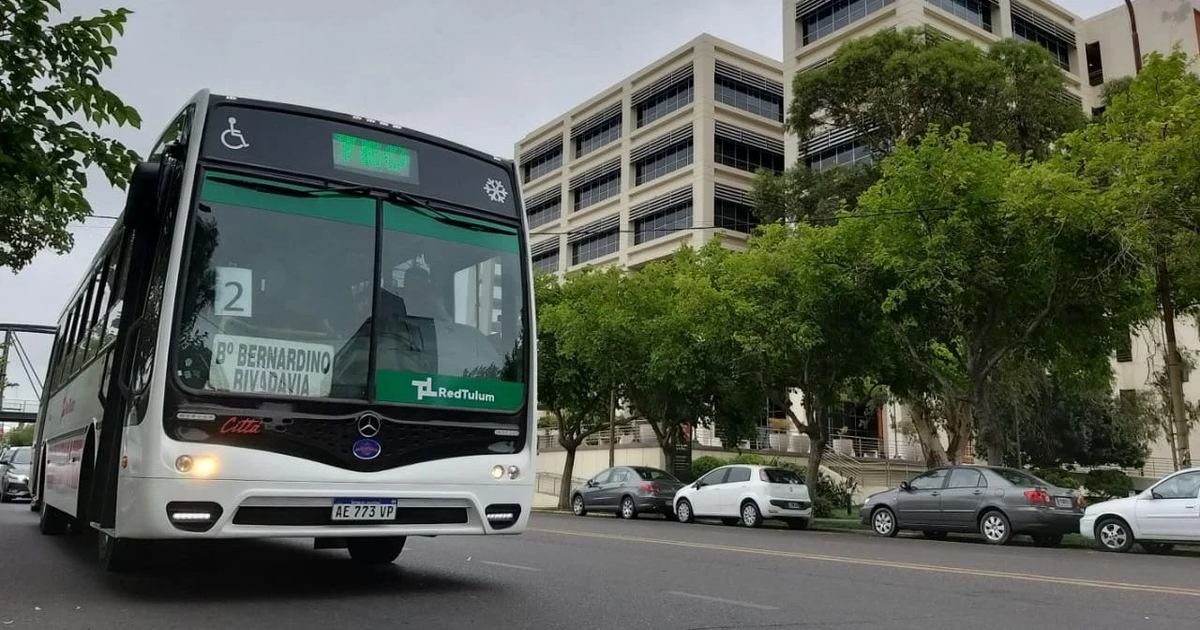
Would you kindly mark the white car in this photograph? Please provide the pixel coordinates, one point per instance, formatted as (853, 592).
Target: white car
(746, 493)
(1161, 516)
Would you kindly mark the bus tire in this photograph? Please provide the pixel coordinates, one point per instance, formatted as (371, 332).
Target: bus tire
(372, 551)
(117, 555)
(53, 521)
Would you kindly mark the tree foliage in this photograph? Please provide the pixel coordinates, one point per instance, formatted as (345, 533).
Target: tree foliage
(50, 93)
(893, 85)
(974, 253)
(20, 436)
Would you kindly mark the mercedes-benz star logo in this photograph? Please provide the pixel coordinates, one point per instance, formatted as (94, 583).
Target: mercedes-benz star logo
(369, 425)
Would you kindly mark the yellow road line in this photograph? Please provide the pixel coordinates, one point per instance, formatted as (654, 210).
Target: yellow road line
(912, 566)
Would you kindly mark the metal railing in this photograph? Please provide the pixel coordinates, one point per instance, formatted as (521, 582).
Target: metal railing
(20, 406)
(551, 483)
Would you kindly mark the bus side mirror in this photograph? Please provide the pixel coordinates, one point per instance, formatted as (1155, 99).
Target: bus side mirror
(142, 201)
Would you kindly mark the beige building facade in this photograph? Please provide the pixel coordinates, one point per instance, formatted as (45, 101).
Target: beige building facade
(664, 157)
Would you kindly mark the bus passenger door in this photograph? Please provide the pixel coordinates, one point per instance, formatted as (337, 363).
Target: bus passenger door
(150, 213)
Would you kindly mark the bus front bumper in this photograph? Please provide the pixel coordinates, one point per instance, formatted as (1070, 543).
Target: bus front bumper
(153, 508)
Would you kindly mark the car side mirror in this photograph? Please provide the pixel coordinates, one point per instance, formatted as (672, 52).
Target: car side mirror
(591, 483)
(698, 485)
(905, 486)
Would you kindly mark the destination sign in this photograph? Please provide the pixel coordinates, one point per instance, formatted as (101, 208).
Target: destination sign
(359, 153)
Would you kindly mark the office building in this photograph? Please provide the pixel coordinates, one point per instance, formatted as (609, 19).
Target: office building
(663, 157)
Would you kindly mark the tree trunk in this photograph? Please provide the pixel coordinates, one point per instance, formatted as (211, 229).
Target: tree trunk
(817, 430)
(993, 437)
(564, 490)
(931, 444)
(958, 427)
(612, 428)
(1174, 373)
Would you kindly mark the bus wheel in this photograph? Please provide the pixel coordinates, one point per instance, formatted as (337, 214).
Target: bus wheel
(117, 554)
(52, 521)
(375, 550)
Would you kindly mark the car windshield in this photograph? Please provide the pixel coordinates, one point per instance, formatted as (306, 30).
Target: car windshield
(1021, 479)
(21, 456)
(279, 299)
(782, 475)
(654, 474)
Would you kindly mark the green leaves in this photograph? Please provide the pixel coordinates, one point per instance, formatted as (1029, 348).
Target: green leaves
(51, 84)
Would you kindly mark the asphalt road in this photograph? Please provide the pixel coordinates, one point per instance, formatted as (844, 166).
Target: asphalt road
(598, 573)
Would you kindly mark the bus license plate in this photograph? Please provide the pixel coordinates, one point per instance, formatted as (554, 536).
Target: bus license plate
(364, 510)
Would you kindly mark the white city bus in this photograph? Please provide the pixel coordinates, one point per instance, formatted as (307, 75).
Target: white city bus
(225, 369)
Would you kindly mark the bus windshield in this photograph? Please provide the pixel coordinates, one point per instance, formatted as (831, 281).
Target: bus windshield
(278, 299)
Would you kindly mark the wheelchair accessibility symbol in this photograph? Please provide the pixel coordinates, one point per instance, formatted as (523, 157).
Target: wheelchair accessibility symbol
(232, 137)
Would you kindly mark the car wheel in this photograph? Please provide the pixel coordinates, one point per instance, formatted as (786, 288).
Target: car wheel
(883, 522)
(750, 514)
(995, 528)
(683, 511)
(1047, 540)
(577, 505)
(1157, 548)
(1113, 534)
(628, 508)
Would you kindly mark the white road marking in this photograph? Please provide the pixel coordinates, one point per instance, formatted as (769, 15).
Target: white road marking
(722, 601)
(510, 566)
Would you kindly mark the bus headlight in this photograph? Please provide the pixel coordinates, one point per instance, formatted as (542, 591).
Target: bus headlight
(203, 466)
(497, 471)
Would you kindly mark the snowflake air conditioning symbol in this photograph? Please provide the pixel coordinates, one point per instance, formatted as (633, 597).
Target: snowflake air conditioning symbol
(495, 190)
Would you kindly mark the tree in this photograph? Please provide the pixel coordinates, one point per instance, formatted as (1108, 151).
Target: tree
(1142, 156)
(681, 368)
(892, 86)
(802, 323)
(565, 386)
(973, 253)
(49, 73)
(20, 436)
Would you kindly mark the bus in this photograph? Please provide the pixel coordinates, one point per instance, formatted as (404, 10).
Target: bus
(304, 324)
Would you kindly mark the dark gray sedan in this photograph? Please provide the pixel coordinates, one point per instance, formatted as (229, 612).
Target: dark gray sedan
(628, 491)
(997, 503)
(14, 474)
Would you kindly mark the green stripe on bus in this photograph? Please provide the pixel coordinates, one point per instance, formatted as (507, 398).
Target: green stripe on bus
(409, 220)
(333, 207)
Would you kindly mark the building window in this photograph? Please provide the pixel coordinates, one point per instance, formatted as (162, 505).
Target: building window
(597, 190)
(1095, 64)
(738, 217)
(1025, 30)
(977, 12)
(544, 213)
(543, 164)
(664, 161)
(546, 262)
(1125, 350)
(595, 246)
(598, 136)
(666, 221)
(745, 157)
(833, 16)
(840, 155)
(749, 98)
(673, 97)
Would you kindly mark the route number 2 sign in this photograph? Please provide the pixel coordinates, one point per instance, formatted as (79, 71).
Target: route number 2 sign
(234, 290)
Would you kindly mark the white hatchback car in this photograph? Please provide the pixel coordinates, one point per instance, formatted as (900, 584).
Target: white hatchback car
(746, 493)
(1159, 517)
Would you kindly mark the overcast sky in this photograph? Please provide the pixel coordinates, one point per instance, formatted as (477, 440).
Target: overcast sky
(480, 72)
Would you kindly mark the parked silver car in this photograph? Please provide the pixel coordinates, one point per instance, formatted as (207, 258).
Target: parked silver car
(627, 490)
(14, 474)
(998, 503)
